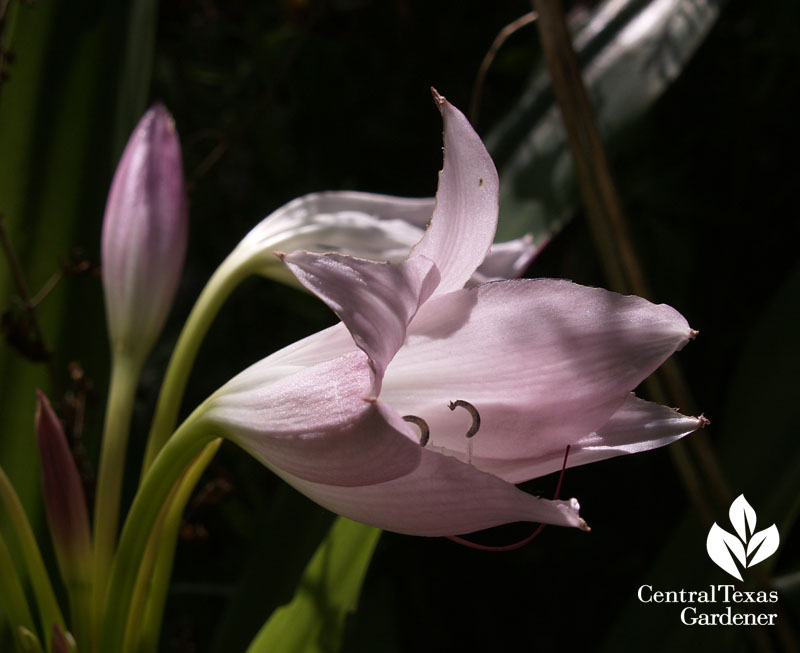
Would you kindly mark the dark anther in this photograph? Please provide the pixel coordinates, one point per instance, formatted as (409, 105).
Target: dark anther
(422, 425)
(476, 416)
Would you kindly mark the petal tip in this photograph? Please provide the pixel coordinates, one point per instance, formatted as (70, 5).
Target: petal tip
(693, 333)
(438, 98)
(704, 421)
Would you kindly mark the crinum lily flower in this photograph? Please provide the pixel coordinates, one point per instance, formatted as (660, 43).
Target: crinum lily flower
(420, 411)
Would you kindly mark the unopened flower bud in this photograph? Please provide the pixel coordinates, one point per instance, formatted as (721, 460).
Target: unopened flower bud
(144, 235)
(63, 495)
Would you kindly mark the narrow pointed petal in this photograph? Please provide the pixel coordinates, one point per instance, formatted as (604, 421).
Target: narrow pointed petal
(637, 426)
(316, 425)
(144, 234)
(442, 496)
(62, 489)
(465, 217)
(376, 301)
(543, 362)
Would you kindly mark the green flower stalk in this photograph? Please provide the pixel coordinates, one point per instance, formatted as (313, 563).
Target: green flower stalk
(144, 243)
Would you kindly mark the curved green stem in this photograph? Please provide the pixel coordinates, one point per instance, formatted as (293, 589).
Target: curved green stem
(167, 468)
(12, 597)
(141, 590)
(165, 547)
(227, 276)
(124, 377)
(49, 612)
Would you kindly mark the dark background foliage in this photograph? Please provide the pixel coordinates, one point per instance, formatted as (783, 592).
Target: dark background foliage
(273, 100)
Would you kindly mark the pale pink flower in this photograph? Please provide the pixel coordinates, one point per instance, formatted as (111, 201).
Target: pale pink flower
(144, 234)
(544, 363)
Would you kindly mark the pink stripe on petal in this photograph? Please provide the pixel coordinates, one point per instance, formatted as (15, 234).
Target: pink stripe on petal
(376, 301)
(316, 425)
(465, 215)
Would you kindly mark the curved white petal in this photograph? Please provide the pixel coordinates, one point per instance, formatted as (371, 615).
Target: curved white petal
(441, 496)
(376, 301)
(507, 260)
(366, 225)
(465, 217)
(637, 426)
(316, 425)
(317, 348)
(543, 361)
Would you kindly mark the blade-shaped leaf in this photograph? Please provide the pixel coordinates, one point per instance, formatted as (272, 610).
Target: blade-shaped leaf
(315, 618)
(56, 125)
(631, 51)
(763, 544)
(743, 517)
(722, 546)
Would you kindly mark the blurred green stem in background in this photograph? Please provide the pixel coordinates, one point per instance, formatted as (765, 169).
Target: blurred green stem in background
(192, 436)
(12, 596)
(49, 612)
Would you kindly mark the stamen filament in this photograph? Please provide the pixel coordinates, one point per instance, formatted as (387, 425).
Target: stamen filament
(523, 542)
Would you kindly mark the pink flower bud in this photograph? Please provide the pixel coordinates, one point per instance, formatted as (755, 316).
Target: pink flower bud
(63, 494)
(144, 234)
(62, 642)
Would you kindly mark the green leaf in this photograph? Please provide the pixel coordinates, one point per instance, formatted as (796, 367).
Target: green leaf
(631, 52)
(58, 138)
(67, 95)
(314, 620)
(287, 527)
